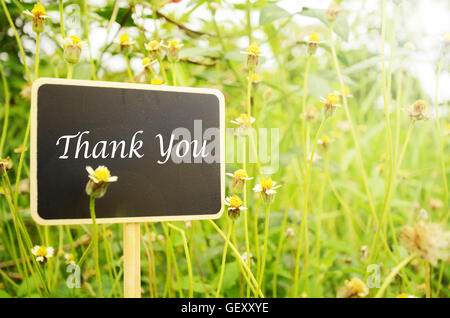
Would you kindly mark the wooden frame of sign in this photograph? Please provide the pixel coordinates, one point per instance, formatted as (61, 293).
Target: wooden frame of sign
(127, 88)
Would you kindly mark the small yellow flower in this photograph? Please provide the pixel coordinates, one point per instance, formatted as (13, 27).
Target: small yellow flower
(72, 49)
(155, 50)
(330, 104)
(267, 189)
(156, 81)
(173, 50)
(405, 296)
(244, 121)
(6, 164)
(355, 288)
(313, 43)
(99, 180)
(238, 181)
(147, 63)
(42, 253)
(125, 43)
(70, 258)
(234, 204)
(255, 79)
(253, 53)
(325, 141)
(38, 16)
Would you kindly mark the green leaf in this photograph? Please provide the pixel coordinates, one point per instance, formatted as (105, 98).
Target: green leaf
(272, 12)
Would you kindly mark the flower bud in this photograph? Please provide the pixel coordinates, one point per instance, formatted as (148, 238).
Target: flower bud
(72, 49)
(333, 11)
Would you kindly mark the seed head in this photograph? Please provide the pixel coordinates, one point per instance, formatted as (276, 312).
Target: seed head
(333, 11)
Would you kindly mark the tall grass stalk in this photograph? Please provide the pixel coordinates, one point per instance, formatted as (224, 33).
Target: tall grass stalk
(95, 243)
(352, 127)
(304, 224)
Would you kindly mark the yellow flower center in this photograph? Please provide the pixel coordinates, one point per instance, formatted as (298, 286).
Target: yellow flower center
(235, 202)
(153, 44)
(102, 174)
(240, 174)
(255, 77)
(124, 38)
(75, 39)
(314, 37)
(253, 49)
(156, 81)
(266, 184)
(332, 99)
(38, 10)
(146, 61)
(173, 43)
(325, 139)
(42, 251)
(245, 119)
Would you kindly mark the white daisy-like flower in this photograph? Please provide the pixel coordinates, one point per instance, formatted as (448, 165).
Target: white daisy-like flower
(100, 175)
(235, 205)
(238, 181)
(244, 121)
(267, 188)
(42, 253)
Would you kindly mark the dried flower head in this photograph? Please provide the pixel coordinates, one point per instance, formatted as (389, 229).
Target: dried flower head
(427, 240)
(333, 11)
(267, 189)
(38, 16)
(239, 177)
(435, 204)
(25, 91)
(247, 260)
(42, 253)
(363, 252)
(355, 288)
(419, 111)
(72, 49)
(253, 53)
(330, 104)
(99, 179)
(234, 204)
(312, 114)
(290, 232)
(6, 164)
(423, 216)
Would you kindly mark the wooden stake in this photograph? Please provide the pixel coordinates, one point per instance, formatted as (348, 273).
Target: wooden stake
(132, 260)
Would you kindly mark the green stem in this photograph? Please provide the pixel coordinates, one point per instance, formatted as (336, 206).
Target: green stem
(129, 72)
(36, 63)
(304, 97)
(61, 18)
(352, 127)
(95, 243)
(86, 34)
(266, 238)
(174, 76)
(303, 225)
(224, 258)
(427, 280)
(188, 257)
(6, 118)
(392, 275)
(250, 276)
(19, 42)
(163, 71)
(441, 140)
(249, 94)
(69, 70)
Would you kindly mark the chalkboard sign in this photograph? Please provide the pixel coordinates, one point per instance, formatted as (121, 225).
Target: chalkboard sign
(165, 144)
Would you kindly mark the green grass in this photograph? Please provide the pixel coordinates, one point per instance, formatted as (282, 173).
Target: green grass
(376, 174)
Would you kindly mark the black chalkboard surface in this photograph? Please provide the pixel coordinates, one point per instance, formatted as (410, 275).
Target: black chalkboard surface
(127, 128)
